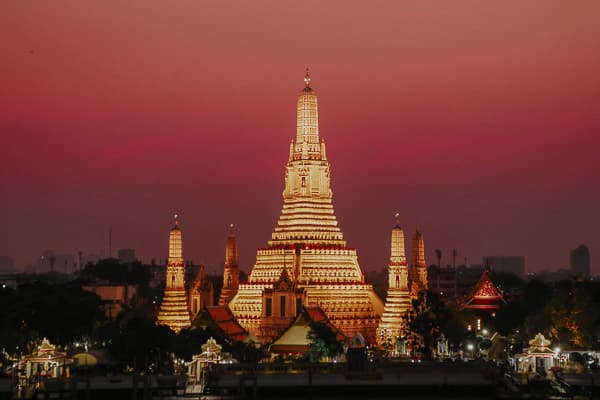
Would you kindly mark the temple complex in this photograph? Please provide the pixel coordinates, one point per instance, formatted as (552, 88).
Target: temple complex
(201, 293)
(231, 272)
(309, 245)
(174, 307)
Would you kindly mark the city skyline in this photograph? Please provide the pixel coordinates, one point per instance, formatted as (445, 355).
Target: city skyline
(483, 138)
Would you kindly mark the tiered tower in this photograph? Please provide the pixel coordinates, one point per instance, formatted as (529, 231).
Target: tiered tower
(201, 293)
(174, 308)
(231, 272)
(308, 241)
(418, 267)
(398, 299)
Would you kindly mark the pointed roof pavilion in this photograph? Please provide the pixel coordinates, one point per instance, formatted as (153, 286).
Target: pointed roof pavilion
(485, 296)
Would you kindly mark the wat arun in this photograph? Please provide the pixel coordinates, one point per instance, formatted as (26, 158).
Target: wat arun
(308, 246)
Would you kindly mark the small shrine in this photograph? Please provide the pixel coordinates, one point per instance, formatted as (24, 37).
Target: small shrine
(539, 357)
(485, 296)
(46, 362)
(198, 369)
(295, 339)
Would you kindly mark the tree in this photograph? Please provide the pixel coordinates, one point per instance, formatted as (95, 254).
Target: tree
(323, 342)
(510, 317)
(113, 271)
(425, 319)
(60, 312)
(136, 341)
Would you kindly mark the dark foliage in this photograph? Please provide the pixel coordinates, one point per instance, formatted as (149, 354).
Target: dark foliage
(61, 312)
(112, 271)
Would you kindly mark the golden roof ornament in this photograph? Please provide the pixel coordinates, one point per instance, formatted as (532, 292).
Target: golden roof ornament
(211, 346)
(307, 78)
(539, 344)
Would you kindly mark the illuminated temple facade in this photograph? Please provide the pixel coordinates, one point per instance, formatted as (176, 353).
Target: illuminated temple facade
(174, 310)
(404, 284)
(307, 261)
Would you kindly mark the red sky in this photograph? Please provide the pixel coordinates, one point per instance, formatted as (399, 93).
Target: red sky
(477, 121)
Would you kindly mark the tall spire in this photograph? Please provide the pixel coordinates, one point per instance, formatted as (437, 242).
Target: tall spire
(418, 265)
(307, 215)
(308, 244)
(397, 301)
(231, 252)
(174, 310)
(418, 250)
(307, 124)
(398, 254)
(175, 242)
(231, 273)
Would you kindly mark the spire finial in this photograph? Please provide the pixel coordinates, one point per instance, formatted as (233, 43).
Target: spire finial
(397, 217)
(231, 229)
(176, 217)
(307, 78)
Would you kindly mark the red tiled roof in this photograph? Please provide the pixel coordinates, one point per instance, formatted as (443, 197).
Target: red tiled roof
(485, 296)
(224, 319)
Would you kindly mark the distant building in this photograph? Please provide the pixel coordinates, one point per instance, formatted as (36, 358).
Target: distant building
(443, 281)
(114, 297)
(50, 261)
(7, 264)
(550, 277)
(88, 259)
(506, 264)
(126, 256)
(580, 262)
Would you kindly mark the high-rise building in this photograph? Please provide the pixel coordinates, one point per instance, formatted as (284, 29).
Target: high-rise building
(308, 242)
(580, 262)
(506, 264)
(231, 272)
(174, 307)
